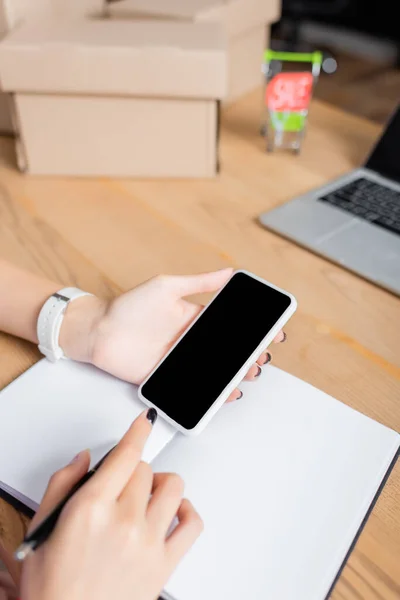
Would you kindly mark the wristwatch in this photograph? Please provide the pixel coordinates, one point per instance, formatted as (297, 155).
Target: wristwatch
(50, 320)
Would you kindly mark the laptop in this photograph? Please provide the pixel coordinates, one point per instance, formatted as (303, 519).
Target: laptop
(354, 220)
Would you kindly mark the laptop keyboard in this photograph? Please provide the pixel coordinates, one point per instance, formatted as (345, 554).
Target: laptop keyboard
(368, 200)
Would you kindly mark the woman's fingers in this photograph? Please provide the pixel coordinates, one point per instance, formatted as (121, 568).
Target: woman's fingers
(165, 501)
(253, 373)
(7, 587)
(264, 359)
(188, 285)
(60, 484)
(280, 337)
(112, 476)
(135, 496)
(255, 370)
(186, 532)
(117, 469)
(235, 395)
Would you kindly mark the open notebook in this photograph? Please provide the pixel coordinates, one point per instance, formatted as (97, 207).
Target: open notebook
(283, 479)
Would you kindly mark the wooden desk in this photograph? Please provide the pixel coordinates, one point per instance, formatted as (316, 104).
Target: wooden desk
(106, 236)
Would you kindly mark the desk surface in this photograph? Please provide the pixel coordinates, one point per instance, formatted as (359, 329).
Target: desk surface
(106, 236)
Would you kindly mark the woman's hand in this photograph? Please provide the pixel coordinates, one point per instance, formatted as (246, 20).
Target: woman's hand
(111, 540)
(130, 335)
(8, 591)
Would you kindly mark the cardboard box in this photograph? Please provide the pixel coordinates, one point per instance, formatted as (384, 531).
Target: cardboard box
(246, 23)
(13, 12)
(116, 98)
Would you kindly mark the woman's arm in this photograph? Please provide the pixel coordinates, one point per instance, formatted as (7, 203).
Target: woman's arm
(22, 295)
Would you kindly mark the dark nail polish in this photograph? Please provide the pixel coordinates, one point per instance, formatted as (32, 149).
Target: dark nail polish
(152, 415)
(284, 338)
(259, 372)
(268, 359)
(241, 395)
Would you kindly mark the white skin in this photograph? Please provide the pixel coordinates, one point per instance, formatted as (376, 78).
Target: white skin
(8, 590)
(125, 337)
(111, 540)
(157, 312)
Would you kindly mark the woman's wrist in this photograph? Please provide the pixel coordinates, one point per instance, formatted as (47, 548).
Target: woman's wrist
(79, 326)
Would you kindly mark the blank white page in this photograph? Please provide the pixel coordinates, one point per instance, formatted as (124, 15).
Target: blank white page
(283, 480)
(52, 412)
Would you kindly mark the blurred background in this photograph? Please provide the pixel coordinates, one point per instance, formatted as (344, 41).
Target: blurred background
(362, 37)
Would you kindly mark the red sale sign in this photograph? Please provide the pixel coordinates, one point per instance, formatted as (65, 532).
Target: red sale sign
(289, 92)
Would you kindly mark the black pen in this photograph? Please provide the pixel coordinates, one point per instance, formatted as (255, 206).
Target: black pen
(40, 534)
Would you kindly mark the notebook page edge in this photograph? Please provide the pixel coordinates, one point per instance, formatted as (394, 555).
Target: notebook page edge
(11, 499)
(366, 512)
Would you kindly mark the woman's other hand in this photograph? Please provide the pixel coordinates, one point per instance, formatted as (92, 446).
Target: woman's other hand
(112, 538)
(128, 336)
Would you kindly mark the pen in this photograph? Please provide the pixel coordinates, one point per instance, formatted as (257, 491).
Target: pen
(40, 534)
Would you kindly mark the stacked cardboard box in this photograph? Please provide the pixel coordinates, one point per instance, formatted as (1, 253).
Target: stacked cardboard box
(246, 24)
(96, 97)
(13, 12)
(132, 96)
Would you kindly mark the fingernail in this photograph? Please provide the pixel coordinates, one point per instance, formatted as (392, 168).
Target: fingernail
(152, 415)
(259, 372)
(241, 395)
(268, 359)
(284, 338)
(76, 458)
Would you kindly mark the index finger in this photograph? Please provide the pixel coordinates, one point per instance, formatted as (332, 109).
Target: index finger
(114, 473)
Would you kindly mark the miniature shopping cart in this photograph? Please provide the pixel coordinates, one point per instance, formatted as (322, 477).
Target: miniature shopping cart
(290, 81)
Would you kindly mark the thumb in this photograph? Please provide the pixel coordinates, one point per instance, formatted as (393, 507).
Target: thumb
(61, 482)
(204, 282)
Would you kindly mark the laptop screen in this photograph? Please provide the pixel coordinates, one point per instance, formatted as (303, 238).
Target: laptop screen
(385, 158)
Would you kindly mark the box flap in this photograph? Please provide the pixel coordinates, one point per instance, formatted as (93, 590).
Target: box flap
(236, 16)
(13, 12)
(177, 9)
(151, 58)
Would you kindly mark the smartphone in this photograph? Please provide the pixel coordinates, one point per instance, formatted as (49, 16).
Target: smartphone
(214, 354)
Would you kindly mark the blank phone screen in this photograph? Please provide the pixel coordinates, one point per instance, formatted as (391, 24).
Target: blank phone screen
(204, 362)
